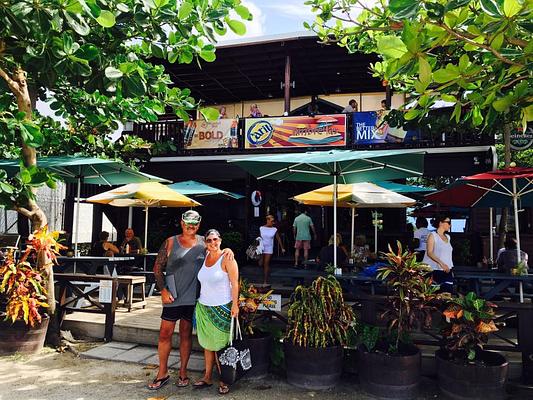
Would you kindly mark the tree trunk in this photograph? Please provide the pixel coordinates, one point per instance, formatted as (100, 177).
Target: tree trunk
(19, 86)
(502, 228)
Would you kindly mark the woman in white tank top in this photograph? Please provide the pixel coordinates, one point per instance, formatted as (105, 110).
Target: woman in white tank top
(268, 233)
(217, 304)
(439, 253)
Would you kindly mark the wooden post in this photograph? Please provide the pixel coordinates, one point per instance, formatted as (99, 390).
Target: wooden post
(287, 84)
(388, 97)
(109, 309)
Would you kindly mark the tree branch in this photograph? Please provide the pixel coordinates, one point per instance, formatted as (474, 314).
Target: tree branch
(24, 211)
(481, 45)
(10, 82)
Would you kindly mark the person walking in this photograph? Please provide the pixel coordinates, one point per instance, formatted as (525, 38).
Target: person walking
(268, 232)
(420, 237)
(302, 228)
(351, 107)
(217, 304)
(439, 253)
(181, 258)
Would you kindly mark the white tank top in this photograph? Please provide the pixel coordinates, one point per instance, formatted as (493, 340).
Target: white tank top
(215, 289)
(442, 250)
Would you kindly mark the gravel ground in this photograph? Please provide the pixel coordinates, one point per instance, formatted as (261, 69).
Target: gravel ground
(63, 376)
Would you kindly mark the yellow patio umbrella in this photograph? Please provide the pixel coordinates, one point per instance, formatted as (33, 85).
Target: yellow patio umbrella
(356, 195)
(148, 194)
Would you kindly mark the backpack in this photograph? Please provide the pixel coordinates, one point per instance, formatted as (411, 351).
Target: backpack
(254, 251)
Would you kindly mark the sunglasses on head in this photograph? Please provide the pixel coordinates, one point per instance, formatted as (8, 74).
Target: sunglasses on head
(212, 240)
(447, 221)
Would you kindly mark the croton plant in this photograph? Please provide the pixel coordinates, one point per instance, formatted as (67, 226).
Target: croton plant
(23, 281)
(250, 299)
(469, 319)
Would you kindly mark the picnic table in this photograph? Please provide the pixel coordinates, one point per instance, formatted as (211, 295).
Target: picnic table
(96, 264)
(499, 282)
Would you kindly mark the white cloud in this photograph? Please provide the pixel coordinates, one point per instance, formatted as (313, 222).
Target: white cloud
(254, 28)
(300, 11)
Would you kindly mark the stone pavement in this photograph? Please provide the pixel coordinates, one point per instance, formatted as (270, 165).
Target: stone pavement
(135, 353)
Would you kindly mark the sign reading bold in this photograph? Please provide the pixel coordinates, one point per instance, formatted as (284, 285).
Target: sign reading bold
(522, 140)
(304, 131)
(220, 134)
(370, 127)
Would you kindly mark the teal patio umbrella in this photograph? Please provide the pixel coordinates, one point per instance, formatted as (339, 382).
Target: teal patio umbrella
(334, 167)
(402, 188)
(96, 171)
(198, 189)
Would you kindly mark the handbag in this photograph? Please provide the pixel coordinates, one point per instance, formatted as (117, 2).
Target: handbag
(235, 359)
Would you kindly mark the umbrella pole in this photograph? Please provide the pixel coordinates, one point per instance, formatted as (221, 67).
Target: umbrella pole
(335, 214)
(130, 217)
(517, 228)
(376, 232)
(353, 231)
(491, 236)
(77, 220)
(145, 226)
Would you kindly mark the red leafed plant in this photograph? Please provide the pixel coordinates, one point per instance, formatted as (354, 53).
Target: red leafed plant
(250, 299)
(23, 282)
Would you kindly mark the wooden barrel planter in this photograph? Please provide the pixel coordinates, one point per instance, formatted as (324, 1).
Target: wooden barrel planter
(484, 381)
(22, 338)
(260, 344)
(313, 368)
(387, 376)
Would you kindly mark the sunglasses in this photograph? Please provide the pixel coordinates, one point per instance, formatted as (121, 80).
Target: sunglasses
(191, 225)
(447, 221)
(212, 240)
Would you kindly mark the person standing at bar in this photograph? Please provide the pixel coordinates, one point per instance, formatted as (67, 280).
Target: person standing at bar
(302, 228)
(439, 253)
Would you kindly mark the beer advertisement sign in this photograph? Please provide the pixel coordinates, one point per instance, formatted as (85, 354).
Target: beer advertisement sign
(220, 134)
(370, 127)
(302, 131)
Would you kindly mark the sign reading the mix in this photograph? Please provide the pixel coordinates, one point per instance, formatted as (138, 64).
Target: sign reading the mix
(220, 134)
(370, 127)
(304, 131)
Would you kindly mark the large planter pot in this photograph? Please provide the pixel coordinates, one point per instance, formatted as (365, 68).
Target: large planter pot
(350, 361)
(484, 380)
(390, 376)
(22, 338)
(260, 345)
(313, 368)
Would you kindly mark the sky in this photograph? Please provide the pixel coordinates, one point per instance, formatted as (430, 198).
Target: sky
(272, 17)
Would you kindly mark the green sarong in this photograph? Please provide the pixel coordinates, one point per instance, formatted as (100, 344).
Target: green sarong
(213, 325)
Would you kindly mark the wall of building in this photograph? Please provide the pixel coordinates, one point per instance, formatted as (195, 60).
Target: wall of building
(274, 107)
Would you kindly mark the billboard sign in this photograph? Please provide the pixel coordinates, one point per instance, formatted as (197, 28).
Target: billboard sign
(370, 127)
(220, 134)
(300, 131)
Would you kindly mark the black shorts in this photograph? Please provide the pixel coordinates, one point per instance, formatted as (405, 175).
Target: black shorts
(177, 312)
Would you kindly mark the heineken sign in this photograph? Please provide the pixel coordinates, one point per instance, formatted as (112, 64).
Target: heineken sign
(522, 140)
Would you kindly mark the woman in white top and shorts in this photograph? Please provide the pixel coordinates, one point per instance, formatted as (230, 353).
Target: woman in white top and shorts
(268, 232)
(439, 253)
(217, 304)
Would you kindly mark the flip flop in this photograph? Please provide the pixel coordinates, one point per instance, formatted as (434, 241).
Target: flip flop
(223, 389)
(201, 385)
(183, 382)
(159, 382)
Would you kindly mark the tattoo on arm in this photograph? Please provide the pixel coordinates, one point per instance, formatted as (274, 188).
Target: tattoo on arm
(160, 266)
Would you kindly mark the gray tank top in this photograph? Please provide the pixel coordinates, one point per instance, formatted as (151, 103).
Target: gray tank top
(184, 264)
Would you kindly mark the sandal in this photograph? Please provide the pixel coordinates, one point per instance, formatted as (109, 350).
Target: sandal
(223, 389)
(201, 385)
(159, 382)
(183, 382)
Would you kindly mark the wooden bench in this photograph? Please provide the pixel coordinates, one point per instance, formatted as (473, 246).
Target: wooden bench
(130, 281)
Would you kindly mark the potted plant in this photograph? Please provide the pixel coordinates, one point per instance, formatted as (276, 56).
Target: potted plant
(259, 341)
(465, 370)
(317, 328)
(23, 283)
(391, 362)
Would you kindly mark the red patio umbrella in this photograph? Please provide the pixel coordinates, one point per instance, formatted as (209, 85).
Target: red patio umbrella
(500, 188)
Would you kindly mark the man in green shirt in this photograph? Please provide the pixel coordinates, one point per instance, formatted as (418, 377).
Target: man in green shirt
(302, 228)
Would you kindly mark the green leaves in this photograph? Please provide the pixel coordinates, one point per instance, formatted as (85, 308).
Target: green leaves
(243, 12)
(185, 10)
(106, 19)
(391, 46)
(209, 113)
(113, 73)
(404, 9)
(491, 7)
(447, 74)
(236, 26)
(511, 8)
